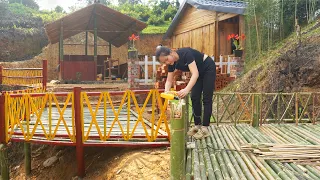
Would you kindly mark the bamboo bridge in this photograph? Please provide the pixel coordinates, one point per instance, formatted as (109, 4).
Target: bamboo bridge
(252, 135)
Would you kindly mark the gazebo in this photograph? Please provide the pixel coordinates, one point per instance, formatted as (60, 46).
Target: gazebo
(106, 23)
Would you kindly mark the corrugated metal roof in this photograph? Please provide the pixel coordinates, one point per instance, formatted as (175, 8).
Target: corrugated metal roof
(116, 27)
(235, 7)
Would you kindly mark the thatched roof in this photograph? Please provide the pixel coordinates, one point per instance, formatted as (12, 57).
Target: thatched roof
(112, 26)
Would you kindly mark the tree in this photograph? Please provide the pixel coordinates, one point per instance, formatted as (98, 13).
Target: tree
(28, 3)
(104, 2)
(58, 9)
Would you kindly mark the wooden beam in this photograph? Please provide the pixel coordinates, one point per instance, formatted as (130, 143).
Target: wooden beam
(95, 53)
(61, 41)
(216, 38)
(86, 45)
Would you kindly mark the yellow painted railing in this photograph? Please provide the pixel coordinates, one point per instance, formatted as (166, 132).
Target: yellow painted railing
(31, 115)
(128, 99)
(22, 76)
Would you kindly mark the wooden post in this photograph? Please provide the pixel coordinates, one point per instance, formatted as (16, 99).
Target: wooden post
(79, 143)
(44, 74)
(4, 162)
(95, 49)
(177, 143)
(86, 44)
(27, 158)
(61, 41)
(1, 69)
(110, 50)
(278, 107)
(2, 119)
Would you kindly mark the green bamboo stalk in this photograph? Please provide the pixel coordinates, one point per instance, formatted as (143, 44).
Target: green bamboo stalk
(224, 169)
(177, 143)
(288, 172)
(238, 156)
(257, 134)
(306, 136)
(263, 166)
(286, 129)
(202, 163)
(4, 164)
(231, 168)
(207, 160)
(287, 134)
(196, 163)
(314, 171)
(189, 165)
(244, 132)
(274, 135)
(214, 160)
(296, 168)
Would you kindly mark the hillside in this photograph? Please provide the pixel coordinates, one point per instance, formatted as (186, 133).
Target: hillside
(286, 68)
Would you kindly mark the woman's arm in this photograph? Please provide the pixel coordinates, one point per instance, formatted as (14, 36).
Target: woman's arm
(168, 82)
(194, 76)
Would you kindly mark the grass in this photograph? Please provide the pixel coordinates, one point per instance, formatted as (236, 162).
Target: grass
(151, 29)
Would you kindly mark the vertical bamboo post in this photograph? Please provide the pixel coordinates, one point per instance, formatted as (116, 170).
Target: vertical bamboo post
(79, 143)
(4, 162)
(177, 143)
(313, 108)
(154, 70)
(3, 147)
(110, 49)
(296, 108)
(44, 74)
(278, 107)
(256, 110)
(27, 158)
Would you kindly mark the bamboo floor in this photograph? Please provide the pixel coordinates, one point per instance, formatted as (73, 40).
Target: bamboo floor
(63, 133)
(220, 156)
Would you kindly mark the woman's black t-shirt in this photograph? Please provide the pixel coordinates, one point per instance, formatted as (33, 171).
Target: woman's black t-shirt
(186, 57)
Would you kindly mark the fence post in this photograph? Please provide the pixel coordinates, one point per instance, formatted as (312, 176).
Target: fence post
(3, 146)
(79, 143)
(44, 74)
(146, 69)
(256, 110)
(1, 69)
(177, 143)
(154, 70)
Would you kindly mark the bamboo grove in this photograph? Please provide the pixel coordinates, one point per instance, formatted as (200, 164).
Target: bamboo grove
(270, 21)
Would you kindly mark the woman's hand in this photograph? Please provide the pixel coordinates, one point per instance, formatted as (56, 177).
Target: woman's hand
(183, 92)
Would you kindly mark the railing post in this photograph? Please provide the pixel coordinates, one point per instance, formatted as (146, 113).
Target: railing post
(44, 74)
(177, 143)
(79, 143)
(3, 146)
(256, 110)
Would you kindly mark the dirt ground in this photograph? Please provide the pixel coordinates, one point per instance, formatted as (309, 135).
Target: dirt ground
(101, 163)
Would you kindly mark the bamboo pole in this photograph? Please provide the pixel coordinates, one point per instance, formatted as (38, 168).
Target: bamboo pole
(209, 168)
(177, 143)
(4, 162)
(228, 161)
(223, 167)
(27, 157)
(203, 169)
(214, 161)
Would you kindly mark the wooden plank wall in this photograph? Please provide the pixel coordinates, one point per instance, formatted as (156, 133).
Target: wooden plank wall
(226, 28)
(197, 30)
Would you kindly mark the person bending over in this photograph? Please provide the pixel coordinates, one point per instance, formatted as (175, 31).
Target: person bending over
(203, 70)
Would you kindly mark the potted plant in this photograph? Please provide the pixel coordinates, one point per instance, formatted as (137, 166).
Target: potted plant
(133, 38)
(235, 40)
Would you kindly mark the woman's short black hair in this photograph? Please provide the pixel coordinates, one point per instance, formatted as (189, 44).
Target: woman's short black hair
(162, 51)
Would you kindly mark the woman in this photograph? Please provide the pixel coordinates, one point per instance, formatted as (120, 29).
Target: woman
(203, 70)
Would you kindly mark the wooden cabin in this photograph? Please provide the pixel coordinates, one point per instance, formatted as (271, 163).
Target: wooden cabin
(205, 25)
(106, 23)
